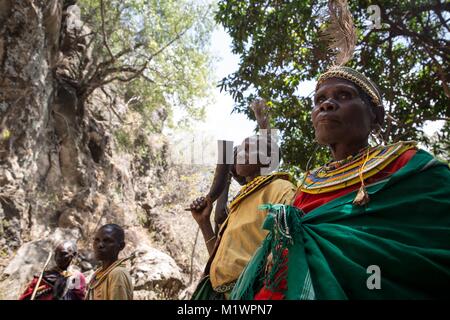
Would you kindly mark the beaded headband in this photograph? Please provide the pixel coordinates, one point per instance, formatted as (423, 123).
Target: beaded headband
(355, 77)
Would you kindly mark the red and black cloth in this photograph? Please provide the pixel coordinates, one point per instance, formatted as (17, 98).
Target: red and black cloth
(57, 285)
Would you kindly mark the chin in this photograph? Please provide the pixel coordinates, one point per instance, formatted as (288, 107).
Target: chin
(99, 257)
(243, 170)
(64, 266)
(325, 140)
(329, 137)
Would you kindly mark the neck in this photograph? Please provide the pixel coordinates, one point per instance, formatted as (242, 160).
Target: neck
(250, 178)
(342, 151)
(108, 263)
(61, 269)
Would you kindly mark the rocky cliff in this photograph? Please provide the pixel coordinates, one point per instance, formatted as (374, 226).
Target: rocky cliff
(65, 169)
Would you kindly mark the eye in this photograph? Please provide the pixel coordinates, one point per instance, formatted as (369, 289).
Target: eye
(320, 99)
(344, 95)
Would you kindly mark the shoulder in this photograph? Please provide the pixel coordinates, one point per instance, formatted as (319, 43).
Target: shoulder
(33, 281)
(120, 277)
(279, 183)
(279, 186)
(119, 272)
(279, 190)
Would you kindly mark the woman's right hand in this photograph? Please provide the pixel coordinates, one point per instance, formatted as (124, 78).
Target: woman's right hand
(261, 111)
(201, 209)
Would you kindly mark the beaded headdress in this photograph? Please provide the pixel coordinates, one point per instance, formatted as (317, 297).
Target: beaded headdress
(355, 77)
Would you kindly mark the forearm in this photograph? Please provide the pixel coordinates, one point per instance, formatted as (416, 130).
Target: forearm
(208, 235)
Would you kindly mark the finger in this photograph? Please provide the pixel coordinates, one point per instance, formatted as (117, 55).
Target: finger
(201, 205)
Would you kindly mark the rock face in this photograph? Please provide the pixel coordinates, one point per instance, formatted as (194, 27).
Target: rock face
(63, 173)
(154, 271)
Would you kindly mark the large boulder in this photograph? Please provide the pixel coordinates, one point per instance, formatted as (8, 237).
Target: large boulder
(155, 274)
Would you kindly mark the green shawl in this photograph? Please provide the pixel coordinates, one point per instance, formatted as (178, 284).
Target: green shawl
(404, 230)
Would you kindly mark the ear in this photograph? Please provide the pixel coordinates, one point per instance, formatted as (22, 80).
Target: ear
(378, 120)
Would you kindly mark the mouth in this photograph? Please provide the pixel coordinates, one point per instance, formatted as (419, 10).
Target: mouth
(100, 253)
(327, 120)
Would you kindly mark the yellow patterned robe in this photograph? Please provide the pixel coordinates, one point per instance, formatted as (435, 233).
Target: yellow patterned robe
(242, 233)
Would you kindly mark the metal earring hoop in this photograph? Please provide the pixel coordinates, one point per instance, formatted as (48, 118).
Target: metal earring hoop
(377, 136)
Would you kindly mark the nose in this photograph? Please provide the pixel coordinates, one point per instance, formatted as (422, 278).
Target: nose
(328, 105)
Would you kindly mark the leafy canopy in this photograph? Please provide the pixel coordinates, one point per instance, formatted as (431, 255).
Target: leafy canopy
(280, 47)
(158, 50)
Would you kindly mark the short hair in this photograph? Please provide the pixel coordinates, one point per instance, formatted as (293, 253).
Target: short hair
(118, 231)
(72, 245)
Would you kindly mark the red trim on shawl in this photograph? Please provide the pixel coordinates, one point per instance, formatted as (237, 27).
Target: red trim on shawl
(307, 202)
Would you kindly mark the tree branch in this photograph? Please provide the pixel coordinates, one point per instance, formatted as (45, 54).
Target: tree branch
(440, 72)
(401, 29)
(99, 76)
(442, 20)
(110, 105)
(105, 42)
(164, 47)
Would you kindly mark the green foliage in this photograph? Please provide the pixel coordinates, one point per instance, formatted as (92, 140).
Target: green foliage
(280, 47)
(164, 42)
(124, 140)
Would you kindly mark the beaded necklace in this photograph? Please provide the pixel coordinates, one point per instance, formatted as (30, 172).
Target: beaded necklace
(100, 274)
(340, 174)
(333, 165)
(255, 184)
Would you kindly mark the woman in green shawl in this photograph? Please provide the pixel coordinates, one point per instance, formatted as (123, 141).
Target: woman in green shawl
(372, 224)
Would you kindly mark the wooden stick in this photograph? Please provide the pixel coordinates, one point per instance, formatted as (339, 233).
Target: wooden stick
(40, 277)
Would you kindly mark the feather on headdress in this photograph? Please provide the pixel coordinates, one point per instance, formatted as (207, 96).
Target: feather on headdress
(341, 32)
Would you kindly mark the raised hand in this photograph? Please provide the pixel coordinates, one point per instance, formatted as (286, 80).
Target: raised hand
(201, 210)
(261, 112)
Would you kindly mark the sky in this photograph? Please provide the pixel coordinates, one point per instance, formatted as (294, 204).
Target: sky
(220, 123)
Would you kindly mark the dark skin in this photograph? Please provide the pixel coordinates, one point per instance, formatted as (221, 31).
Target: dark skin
(63, 256)
(342, 119)
(244, 168)
(64, 253)
(201, 207)
(107, 246)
